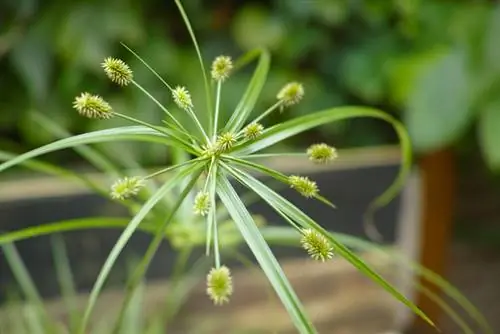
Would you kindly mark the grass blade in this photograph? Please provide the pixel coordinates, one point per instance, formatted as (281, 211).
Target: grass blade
(138, 133)
(94, 157)
(47, 168)
(280, 204)
(286, 236)
(159, 235)
(249, 98)
(124, 238)
(38, 315)
(297, 125)
(65, 278)
(274, 174)
(264, 256)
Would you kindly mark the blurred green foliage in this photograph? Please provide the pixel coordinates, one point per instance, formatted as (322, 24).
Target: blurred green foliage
(434, 63)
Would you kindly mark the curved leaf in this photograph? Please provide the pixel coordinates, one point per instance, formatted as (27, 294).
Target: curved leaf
(295, 126)
(247, 102)
(283, 206)
(139, 133)
(125, 237)
(286, 236)
(264, 256)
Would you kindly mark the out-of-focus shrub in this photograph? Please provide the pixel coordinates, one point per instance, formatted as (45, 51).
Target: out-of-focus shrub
(435, 64)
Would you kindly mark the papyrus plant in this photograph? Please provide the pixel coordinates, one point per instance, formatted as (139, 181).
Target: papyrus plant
(220, 151)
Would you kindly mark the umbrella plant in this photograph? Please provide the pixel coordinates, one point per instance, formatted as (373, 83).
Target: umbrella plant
(218, 153)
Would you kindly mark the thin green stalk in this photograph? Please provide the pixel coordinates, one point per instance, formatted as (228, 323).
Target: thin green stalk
(213, 178)
(198, 124)
(65, 277)
(200, 59)
(273, 155)
(217, 105)
(212, 205)
(268, 112)
(171, 168)
(165, 110)
(184, 144)
(28, 287)
(147, 65)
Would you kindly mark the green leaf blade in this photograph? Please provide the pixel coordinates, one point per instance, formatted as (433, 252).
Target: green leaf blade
(264, 256)
(249, 98)
(125, 237)
(297, 125)
(138, 133)
(282, 205)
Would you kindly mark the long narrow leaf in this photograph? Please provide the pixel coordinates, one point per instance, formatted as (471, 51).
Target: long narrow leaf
(159, 235)
(264, 256)
(96, 158)
(39, 316)
(50, 169)
(274, 174)
(281, 204)
(65, 278)
(297, 125)
(134, 133)
(247, 102)
(124, 238)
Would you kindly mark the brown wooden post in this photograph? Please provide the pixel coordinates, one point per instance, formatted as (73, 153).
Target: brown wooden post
(439, 185)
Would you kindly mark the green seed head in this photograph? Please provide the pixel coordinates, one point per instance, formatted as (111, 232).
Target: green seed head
(253, 130)
(219, 285)
(221, 68)
(182, 98)
(316, 245)
(321, 153)
(117, 71)
(291, 94)
(92, 106)
(225, 142)
(303, 185)
(126, 187)
(201, 205)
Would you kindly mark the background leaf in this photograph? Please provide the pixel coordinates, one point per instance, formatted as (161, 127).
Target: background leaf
(489, 134)
(439, 110)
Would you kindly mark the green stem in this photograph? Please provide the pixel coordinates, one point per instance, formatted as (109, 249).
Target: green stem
(273, 155)
(198, 124)
(200, 59)
(184, 144)
(160, 106)
(171, 168)
(215, 231)
(217, 104)
(268, 112)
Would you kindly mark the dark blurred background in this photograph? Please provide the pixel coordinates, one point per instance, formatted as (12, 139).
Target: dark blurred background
(433, 64)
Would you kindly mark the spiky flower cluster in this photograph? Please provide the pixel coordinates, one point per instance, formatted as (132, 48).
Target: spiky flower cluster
(92, 106)
(117, 71)
(303, 185)
(291, 94)
(182, 98)
(253, 131)
(221, 68)
(126, 187)
(219, 285)
(321, 153)
(316, 245)
(225, 142)
(201, 205)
